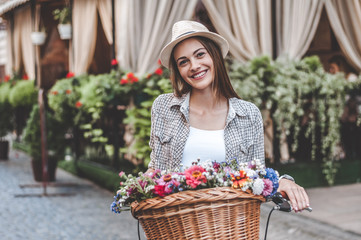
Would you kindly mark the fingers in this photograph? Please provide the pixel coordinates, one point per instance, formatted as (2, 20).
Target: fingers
(296, 194)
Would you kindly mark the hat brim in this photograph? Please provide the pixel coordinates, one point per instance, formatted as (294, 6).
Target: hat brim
(219, 40)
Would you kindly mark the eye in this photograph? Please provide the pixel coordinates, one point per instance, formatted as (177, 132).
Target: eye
(182, 62)
(200, 54)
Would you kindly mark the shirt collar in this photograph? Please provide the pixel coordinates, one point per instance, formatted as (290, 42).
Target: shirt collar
(235, 106)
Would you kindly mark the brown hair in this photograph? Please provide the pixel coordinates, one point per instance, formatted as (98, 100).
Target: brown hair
(221, 84)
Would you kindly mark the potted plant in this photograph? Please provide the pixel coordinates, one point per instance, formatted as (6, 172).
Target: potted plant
(64, 17)
(6, 120)
(22, 96)
(55, 143)
(38, 37)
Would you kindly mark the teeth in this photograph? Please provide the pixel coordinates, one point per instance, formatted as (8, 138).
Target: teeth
(199, 74)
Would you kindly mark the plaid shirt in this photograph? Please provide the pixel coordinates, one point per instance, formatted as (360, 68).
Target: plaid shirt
(243, 134)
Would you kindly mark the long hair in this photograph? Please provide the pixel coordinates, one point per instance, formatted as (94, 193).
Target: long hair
(221, 85)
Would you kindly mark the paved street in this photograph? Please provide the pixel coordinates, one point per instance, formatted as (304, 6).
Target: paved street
(86, 214)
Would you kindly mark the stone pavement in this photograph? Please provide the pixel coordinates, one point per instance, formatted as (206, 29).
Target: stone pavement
(86, 215)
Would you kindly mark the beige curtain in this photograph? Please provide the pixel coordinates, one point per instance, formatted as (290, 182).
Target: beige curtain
(345, 20)
(245, 24)
(143, 27)
(23, 47)
(85, 22)
(297, 22)
(84, 34)
(105, 12)
(9, 53)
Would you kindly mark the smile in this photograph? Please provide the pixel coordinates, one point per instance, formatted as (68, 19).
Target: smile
(199, 75)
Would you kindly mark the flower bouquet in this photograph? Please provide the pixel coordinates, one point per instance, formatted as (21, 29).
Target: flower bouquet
(206, 200)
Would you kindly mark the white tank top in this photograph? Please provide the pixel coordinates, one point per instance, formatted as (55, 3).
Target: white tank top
(204, 145)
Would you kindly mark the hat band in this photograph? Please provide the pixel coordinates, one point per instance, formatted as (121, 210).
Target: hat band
(185, 34)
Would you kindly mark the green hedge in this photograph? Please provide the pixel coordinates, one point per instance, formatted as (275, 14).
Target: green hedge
(101, 175)
(309, 175)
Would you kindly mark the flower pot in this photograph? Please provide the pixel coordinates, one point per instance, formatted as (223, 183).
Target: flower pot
(38, 170)
(38, 38)
(64, 31)
(4, 150)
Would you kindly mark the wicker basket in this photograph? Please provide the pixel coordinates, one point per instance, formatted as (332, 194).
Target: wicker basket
(213, 213)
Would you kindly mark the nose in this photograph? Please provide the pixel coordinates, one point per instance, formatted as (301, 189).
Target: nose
(195, 66)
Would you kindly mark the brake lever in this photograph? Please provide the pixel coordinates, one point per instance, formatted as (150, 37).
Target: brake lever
(283, 204)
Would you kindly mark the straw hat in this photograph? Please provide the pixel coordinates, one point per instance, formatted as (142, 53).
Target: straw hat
(185, 29)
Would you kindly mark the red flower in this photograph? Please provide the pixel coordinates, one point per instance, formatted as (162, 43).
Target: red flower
(134, 79)
(68, 91)
(194, 176)
(25, 77)
(123, 81)
(7, 78)
(159, 62)
(78, 104)
(54, 92)
(70, 75)
(159, 190)
(149, 75)
(114, 62)
(130, 75)
(158, 71)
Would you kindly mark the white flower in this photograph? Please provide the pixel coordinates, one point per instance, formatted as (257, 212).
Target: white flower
(258, 186)
(251, 173)
(149, 188)
(206, 164)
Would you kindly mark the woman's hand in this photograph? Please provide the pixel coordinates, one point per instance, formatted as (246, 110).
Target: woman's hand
(295, 193)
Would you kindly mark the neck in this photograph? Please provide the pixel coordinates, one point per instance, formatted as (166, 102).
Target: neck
(206, 100)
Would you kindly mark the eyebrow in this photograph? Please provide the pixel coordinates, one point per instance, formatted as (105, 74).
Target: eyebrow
(193, 54)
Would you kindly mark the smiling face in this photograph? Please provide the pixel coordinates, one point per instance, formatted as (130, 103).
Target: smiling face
(194, 64)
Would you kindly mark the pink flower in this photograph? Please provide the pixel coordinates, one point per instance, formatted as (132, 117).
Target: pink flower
(268, 187)
(121, 174)
(159, 190)
(169, 183)
(194, 176)
(216, 166)
(155, 173)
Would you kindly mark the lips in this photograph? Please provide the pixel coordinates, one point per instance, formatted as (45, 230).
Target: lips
(199, 75)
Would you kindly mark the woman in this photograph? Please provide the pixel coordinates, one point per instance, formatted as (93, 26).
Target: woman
(205, 118)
